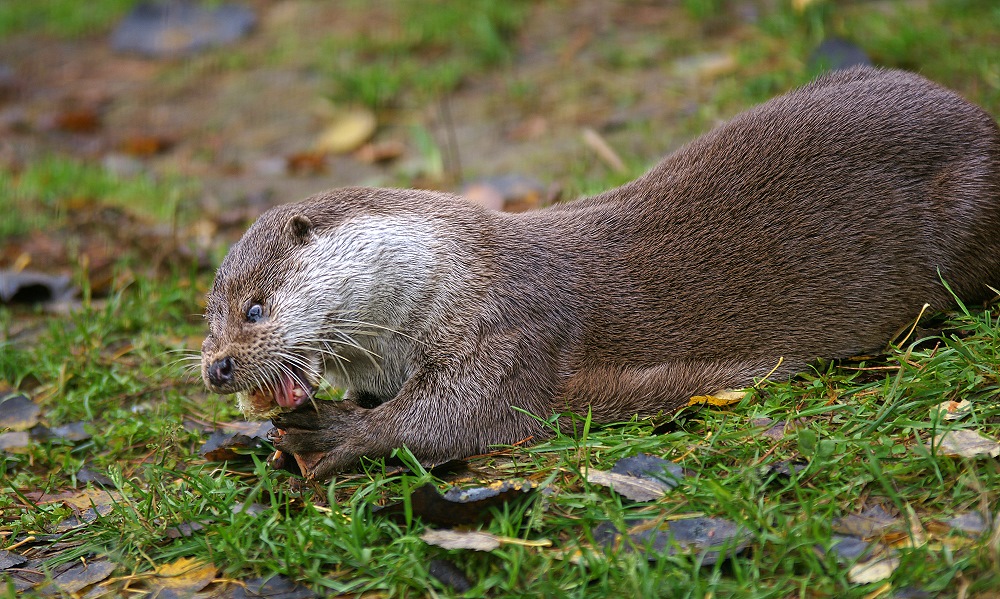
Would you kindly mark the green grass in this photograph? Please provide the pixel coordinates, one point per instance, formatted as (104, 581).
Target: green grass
(61, 18)
(862, 439)
(46, 192)
(419, 50)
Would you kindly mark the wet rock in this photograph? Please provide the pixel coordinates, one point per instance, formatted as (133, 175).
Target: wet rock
(172, 28)
(29, 287)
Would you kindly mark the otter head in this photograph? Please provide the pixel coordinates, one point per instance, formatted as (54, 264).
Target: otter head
(311, 285)
(244, 351)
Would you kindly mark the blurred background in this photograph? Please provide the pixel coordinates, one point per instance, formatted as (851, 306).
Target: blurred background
(162, 127)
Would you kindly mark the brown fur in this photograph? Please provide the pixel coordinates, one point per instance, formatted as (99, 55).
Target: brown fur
(815, 225)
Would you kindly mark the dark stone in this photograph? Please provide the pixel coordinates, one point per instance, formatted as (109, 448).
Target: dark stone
(172, 28)
(449, 575)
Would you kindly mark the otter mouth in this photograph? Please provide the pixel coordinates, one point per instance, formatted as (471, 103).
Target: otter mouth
(290, 390)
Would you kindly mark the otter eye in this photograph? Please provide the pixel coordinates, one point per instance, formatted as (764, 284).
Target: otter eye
(255, 313)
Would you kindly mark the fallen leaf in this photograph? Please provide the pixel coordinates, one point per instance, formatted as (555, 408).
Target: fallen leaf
(347, 131)
(79, 577)
(468, 539)
(255, 429)
(711, 538)
(184, 576)
(952, 410)
(848, 549)
(383, 151)
(275, 587)
(650, 467)
(229, 447)
(90, 498)
(86, 475)
(509, 193)
(874, 570)
(18, 413)
(966, 443)
(917, 536)
(970, 522)
(633, 487)
(14, 442)
(869, 523)
(146, 145)
(306, 163)
(721, 398)
(78, 120)
(705, 66)
(73, 432)
(9, 559)
(774, 429)
(475, 540)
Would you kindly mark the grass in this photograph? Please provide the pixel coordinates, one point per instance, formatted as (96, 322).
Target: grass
(862, 441)
(419, 50)
(47, 191)
(61, 18)
(118, 363)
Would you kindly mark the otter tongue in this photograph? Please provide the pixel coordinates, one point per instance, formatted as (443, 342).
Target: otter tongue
(289, 393)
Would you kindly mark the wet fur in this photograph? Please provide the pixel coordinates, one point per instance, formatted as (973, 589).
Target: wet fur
(815, 225)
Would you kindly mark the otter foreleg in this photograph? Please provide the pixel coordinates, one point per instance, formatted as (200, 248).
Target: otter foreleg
(435, 420)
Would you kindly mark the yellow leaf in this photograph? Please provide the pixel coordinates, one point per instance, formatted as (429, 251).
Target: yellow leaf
(721, 398)
(347, 132)
(185, 574)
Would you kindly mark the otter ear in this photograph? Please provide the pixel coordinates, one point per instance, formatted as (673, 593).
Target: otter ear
(299, 227)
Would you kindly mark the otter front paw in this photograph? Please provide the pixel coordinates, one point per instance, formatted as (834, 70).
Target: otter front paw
(322, 435)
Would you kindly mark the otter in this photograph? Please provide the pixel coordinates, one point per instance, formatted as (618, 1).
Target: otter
(816, 225)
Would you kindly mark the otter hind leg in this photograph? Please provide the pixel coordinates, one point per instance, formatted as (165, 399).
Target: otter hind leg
(614, 393)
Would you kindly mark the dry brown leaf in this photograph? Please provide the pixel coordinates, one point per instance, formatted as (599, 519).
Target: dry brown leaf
(92, 498)
(636, 489)
(475, 540)
(966, 443)
(468, 539)
(385, 151)
(873, 570)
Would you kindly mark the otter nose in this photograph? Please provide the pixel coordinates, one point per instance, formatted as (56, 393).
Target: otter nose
(220, 372)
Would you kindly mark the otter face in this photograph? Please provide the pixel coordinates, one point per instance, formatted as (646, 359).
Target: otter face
(292, 299)
(245, 351)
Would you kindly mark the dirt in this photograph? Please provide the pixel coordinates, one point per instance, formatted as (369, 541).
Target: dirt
(230, 118)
